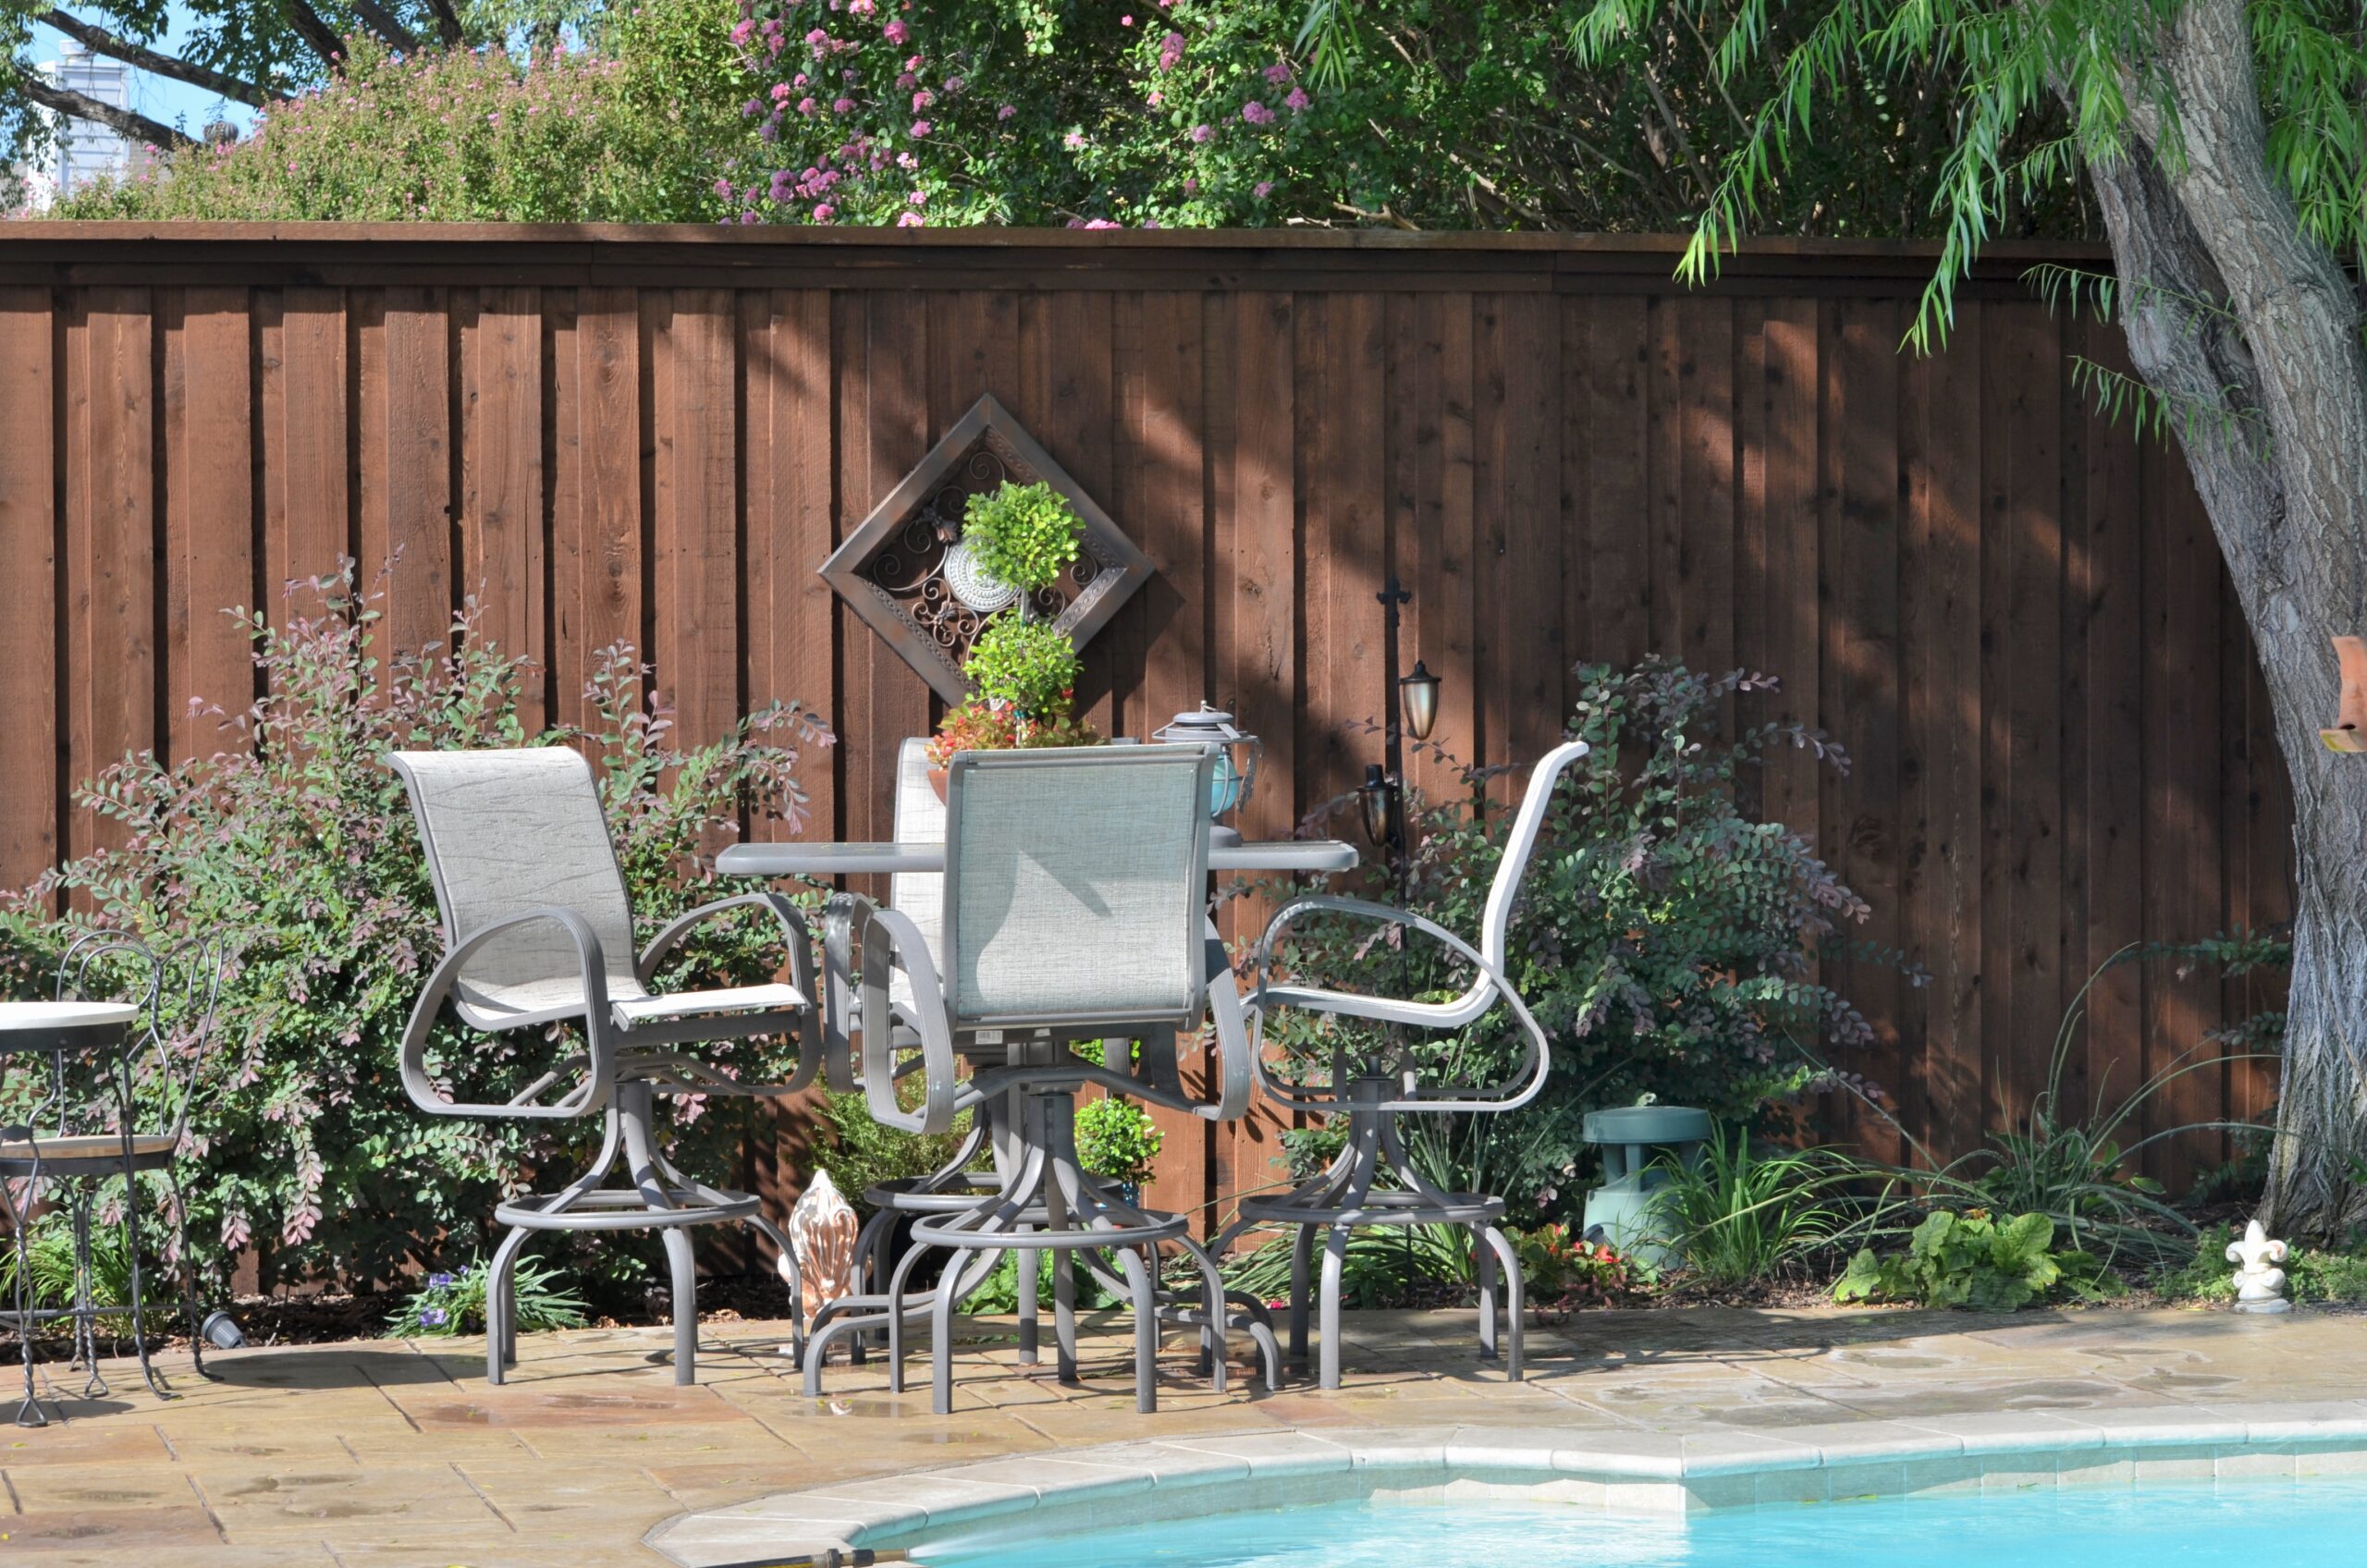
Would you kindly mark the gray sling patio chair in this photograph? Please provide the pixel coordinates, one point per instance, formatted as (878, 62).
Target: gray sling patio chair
(1379, 1085)
(539, 930)
(1072, 914)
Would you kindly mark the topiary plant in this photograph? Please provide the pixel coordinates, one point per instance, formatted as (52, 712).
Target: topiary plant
(1024, 534)
(1028, 666)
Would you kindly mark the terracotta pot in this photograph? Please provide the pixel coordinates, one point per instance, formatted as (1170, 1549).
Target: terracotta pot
(937, 782)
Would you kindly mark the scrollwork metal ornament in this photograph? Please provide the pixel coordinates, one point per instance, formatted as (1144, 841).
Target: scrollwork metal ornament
(906, 574)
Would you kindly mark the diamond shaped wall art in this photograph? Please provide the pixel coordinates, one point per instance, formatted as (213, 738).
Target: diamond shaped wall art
(906, 574)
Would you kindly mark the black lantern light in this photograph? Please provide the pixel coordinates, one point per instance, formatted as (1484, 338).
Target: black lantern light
(1376, 799)
(1419, 693)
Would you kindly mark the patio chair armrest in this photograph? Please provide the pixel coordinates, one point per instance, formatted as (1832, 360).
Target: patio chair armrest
(1515, 1090)
(887, 939)
(842, 917)
(589, 1096)
(795, 936)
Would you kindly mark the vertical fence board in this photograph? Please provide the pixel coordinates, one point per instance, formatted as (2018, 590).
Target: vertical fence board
(501, 476)
(209, 515)
(306, 442)
(695, 550)
(28, 384)
(405, 489)
(596, 503)
(111, 606)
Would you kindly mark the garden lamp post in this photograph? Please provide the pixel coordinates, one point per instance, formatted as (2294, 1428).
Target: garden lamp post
(1411, 705)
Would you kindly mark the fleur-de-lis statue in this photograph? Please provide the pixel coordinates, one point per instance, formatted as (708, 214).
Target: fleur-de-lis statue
(822, 1227)
(2260, 1285)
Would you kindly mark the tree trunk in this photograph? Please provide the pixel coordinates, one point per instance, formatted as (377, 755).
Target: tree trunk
(2233, 312)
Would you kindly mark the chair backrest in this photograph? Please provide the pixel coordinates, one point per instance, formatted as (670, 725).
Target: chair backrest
(1496, 920)
(511, 830)
(1076, 886)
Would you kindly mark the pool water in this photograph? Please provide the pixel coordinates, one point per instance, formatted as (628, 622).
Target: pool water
(2317, 1523)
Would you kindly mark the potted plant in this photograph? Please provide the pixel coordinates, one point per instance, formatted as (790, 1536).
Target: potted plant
(1021, 669)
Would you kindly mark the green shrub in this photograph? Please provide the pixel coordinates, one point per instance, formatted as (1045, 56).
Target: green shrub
(633, 134)
(862, 1154)
(1024, 534)
(1665, 941)
(1116, 1138)
(1741, 1216)
(1380, 1265)
(1559, 1270)
(49, 1258)
(296, 842)
(1028, 666)
(1969, 1260)
(452, 1304)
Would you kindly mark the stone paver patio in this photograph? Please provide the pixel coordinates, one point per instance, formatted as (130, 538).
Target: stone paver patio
(386, 1453)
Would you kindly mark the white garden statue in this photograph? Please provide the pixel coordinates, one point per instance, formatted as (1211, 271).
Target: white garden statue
(823, 1228)
(2260, 1285)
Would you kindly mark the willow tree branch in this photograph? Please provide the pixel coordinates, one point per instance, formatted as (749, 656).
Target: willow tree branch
(380, 20)
(447, 21)
(83, 106)
(99, 41)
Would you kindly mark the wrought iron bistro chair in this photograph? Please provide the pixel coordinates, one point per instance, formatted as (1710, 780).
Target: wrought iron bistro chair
(1073, 912)
(1383, 1085)
(539, 930)
(132, 1017)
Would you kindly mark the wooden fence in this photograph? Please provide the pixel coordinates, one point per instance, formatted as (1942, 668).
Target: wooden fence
(2011, 613)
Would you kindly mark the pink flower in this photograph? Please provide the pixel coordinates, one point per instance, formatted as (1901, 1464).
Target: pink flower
(818, 39)
(722, 187)
(842, 105)
(805, 105)
(920, 128)
(1125, 21)
(1074, 139)
(744, 31)
(954, 84)
(918, 198)
(896, 33)
(906, 83)
(1190, 186)
(1297, 100)
(909, 220)
(799, 81)
(923, 99)
(860, 8)
(1277, 73)
(1171, 50)
(782, 91)
(1155, 100)
(823, 212)
(1203, 133)
(1264, 188)
(1257, 113)
(1005, 112)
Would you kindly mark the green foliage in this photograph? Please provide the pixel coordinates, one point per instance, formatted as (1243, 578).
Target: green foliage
(1666, 940)
(863, 1154)
(2064, 1158)
(1029, 666)
(1379, 1265)
(1561, 1271)
(296, 842)
(1740, 1216)
(1024, 534)
(1116, 1138)
(2027, 94)
(49, 1267)
(632, 135)
(1971, 1260)
(2311, 1274)
(452, 1304)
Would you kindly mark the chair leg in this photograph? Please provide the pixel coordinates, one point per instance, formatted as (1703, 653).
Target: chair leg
(19, 1221)
(501, 1306)
(1511, 1260)
(1139, 1278)
(1030, 1333)
(1335, 1259)
(685, 1270)
(896, 1283)
(138, 1305)
(1302, 1266)
(1484, 1264)
(941, 1349)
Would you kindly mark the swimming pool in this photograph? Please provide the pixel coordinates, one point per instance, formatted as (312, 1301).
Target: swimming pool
(2310, 1524)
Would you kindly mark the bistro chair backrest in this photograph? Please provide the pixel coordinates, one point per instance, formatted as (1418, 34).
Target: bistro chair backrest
(510, 831)
(1076, 886)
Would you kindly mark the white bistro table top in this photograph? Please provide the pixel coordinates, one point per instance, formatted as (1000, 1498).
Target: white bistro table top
(848, 859)
(65, 1015)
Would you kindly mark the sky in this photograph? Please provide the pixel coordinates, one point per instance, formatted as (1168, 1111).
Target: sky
(161, 98)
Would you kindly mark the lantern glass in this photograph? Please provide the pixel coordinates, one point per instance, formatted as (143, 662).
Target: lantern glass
(1374, 801)
(1235, 773)
(1419, 693)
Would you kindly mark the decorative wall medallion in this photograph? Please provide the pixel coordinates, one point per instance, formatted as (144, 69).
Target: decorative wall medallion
(900, 572)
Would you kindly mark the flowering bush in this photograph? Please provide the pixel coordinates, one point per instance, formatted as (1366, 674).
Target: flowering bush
(297, 843)
(451, 1304)
(1561, 1271)
(628, 135)
(982, 725)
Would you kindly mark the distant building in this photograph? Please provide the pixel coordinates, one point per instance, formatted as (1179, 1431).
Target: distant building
(85, 150)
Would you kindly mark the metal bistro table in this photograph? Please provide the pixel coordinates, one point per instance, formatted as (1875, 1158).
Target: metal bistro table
(957, 1188)
(99, 1032)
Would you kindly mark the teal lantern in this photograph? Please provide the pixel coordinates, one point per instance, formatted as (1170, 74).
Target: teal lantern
(1235, 773)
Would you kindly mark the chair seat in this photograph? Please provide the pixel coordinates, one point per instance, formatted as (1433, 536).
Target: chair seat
(83, 1146)
(630, 1010)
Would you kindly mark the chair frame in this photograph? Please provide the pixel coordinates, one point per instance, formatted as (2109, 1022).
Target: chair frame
(1373, 1180)
(625, 1066)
